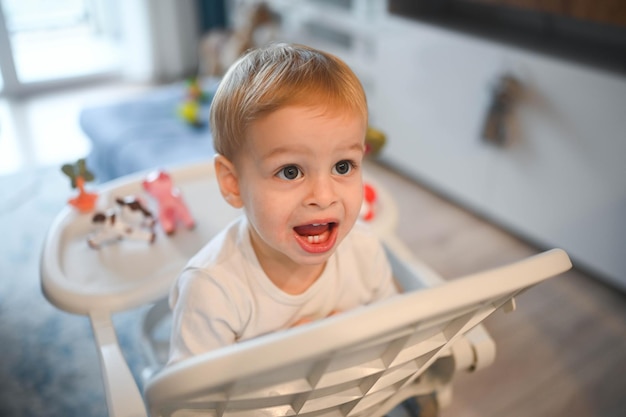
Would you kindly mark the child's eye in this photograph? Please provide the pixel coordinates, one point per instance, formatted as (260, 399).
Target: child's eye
(343, 167)
(290, 172)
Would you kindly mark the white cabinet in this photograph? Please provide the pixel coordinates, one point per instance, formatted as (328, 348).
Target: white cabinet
(564, 182)
(560, 178)
(431, 98)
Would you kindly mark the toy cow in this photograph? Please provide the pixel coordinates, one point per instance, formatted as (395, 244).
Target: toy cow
(129, 219)
(134, 211)
(172, 208)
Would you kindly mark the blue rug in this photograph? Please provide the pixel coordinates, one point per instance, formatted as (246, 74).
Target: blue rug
(48, 361)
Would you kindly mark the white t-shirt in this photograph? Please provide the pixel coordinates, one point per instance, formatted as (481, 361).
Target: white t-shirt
(223, 296)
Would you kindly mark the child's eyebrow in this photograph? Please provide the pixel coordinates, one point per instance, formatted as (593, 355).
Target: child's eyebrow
(360, 146)
(354, 147)
(283, 150)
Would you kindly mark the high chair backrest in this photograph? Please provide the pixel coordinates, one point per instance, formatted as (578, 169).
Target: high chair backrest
(359, 363)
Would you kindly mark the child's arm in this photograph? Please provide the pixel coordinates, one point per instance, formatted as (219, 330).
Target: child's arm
(203, 319)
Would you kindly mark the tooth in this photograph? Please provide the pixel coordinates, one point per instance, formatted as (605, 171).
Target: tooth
(313, 238)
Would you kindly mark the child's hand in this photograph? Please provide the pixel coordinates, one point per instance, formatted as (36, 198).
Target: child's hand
(303, 320)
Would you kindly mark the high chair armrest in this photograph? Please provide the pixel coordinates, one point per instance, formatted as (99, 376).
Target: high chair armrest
(409, 272)
(122, 394)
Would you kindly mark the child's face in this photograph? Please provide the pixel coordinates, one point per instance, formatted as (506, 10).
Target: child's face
(300, 183)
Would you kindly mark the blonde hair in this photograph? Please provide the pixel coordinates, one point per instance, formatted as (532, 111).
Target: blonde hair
(279, 75)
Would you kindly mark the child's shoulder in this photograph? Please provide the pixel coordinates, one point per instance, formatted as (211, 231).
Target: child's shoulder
(222, 248)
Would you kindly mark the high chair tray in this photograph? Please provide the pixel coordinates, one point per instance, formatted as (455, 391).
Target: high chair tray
(127, 274)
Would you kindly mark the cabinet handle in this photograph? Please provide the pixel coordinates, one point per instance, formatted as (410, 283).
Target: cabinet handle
(505, 94)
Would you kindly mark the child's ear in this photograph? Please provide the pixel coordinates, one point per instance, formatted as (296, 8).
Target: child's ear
(228, 180)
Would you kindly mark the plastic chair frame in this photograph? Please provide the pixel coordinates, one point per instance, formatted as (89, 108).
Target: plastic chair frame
(412, 344)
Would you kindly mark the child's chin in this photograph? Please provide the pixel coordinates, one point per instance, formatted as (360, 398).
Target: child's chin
(312, 258)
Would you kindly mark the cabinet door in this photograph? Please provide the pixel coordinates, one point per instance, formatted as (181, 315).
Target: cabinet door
(562, 181)
(432, 92)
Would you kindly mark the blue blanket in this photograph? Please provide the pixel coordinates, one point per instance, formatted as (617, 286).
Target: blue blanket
(145, 132)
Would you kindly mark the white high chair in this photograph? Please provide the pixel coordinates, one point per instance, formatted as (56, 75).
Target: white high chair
(359, 363)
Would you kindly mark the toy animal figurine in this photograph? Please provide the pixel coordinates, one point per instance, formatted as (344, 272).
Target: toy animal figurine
(79, 174)
(369, 202)
(134, 211)
(172, 208)
(129, 219)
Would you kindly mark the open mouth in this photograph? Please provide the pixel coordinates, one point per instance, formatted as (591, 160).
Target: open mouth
(316, 235)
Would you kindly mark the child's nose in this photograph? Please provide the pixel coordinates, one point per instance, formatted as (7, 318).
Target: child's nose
(322, 192)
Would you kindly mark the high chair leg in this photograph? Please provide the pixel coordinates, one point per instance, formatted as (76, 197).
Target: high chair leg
(122, 394)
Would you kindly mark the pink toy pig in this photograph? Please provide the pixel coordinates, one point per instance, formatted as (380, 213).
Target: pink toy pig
(172, 208)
